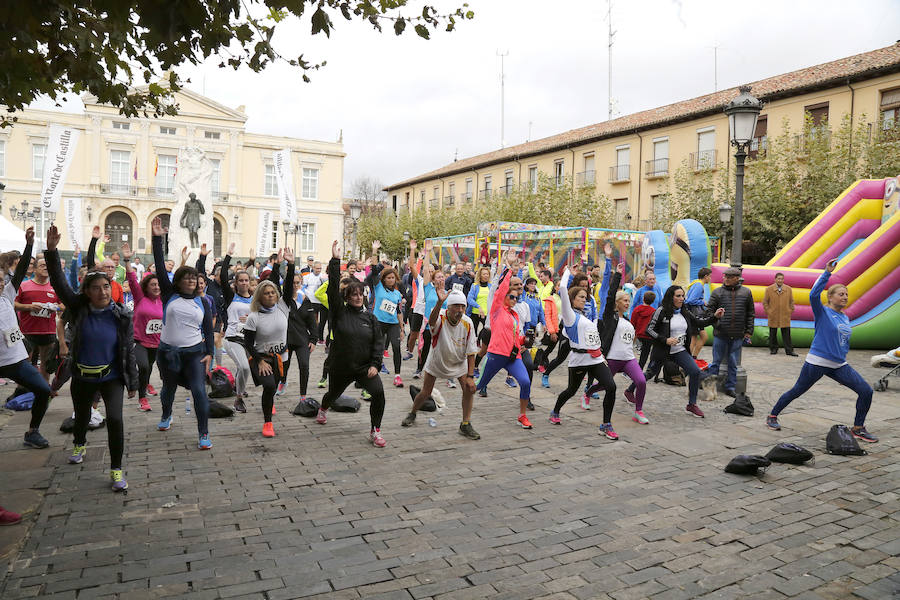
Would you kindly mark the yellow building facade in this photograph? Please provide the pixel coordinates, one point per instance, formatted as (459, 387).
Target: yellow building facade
(629, 159)
(124, 171)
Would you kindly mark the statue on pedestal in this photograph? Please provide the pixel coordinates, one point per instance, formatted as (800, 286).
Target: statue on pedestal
(190, 219)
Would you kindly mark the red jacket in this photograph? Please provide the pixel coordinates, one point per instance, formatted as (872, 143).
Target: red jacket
(640, 318)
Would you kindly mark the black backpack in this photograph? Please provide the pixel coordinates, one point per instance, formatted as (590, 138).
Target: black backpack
(345, 404)
(217, 410)
(840, 441)
(307, 408)
(746, 464)
(428, 406)
(741, 406)
(672, 374)
(220, 385)
(789, 453)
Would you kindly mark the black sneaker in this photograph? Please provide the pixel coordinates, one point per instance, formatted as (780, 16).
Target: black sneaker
(482, 392)
(409, 420)
(730, 393)
(530, 405)
(34, 439)
(239, 405)
(466, 429)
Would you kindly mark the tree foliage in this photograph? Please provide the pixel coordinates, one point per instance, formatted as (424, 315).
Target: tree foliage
(106, 47)
(561, 206)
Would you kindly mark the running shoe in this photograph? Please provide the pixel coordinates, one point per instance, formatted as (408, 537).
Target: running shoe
(377, 439)
(466, 430)
(524, 422)
(545, 380)
(239, 405)
(407, 356)
(281, 388)
(417, 374)
(77, 456)
(607, 430)
(530, 406)
(409, 420)
(365, 395)
(204, 443)
(511, 382)
(8, 517)
(694, 410)
(323, 382)
(384, 369)
(482, 393)
(772, 423)
(145, 405)
(386, 355)
(860, 433)
(640, 418)
(730, 393)
(322, 416)
(274, 410)
(34, 439)
(595, 395)
(476, 373)
(554, 418)
(398, 382)
(586, 402)
(268, 429)
(151, 390)
(118, 482)
(165, 423)
(542, 368)
(451, 384)
(629, 396)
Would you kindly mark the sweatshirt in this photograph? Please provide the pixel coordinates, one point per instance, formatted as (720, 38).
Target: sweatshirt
(148, 314)
(831, 338)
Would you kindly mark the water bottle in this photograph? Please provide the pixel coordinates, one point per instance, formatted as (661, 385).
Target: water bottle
(432, 422)
(187, 406)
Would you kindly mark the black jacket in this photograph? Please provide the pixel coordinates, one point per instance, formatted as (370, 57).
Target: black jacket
(77, 306)
(301, 319)
(357, 343)
(739, 311)
(659, 330)
(610, 319)
(463, 280)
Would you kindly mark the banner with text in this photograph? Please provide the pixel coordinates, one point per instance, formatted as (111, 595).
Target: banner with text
(73, 221)
(60, 151)
(264, 233)
(285, 178)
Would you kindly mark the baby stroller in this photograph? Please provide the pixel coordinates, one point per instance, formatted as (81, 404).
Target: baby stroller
(890, 360)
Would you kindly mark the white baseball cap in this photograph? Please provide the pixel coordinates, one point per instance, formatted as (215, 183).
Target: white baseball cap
(456, 297)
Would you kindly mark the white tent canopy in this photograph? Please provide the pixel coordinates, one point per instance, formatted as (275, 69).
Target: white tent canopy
(11, 236)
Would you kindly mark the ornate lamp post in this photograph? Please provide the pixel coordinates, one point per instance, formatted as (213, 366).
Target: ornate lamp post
(742, 113)
(725, 218)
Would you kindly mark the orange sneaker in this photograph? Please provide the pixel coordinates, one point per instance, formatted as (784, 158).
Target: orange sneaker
(524, 422)
(273, 409)
(268, 429)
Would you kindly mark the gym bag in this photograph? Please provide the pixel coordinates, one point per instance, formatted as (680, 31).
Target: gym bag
(20, 401)
(217, 410)
(306, 408)
(741, 406)
(345, 404)
(672, 374)
(221, 385)
(789, 453)
(428, 406)
(840, 441)
(746, 464)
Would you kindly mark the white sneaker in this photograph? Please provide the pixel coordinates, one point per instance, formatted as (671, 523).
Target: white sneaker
(376, 438)
(451, 383)
(96, 418)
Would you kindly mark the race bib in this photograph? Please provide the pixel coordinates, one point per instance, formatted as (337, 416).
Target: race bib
(681, 339)
(275, 348)
(45, 312)
(592, 339)
(627, 338)
(154, 327)
(458, 287)
(13, 336)
(388, 307)
(240, 328)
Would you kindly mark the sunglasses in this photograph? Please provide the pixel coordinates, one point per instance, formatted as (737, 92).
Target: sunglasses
(512, 296)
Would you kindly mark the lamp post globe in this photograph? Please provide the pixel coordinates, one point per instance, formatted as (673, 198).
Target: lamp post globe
(742, 113)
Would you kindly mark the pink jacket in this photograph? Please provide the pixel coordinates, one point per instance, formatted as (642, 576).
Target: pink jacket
(506, 331)
(147, 312)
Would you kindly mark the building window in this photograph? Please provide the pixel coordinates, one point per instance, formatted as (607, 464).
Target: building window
(818, 119)
(706, 150)
(119, 162)
(559, 172)
(38, 154)
(165, 173)
(307, 237)
(274, 234)
(621, 211)
(422, 197)
(622, 170)
(508, 185)
(760, 140)
(451, 191)
(121, 125)
(311, 184)
(533, 179)
(214, 178)
(2, 158)
(435, 193)
(271, 188)
(587, 176)
(406, 199)
(468, 190)
(167, 130)
(655, 205)
(488, 185)
(659, 165)
(212, 135)
(118, 227)
(890, 109)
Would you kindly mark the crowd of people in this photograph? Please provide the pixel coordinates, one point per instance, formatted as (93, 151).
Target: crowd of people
(111, 320)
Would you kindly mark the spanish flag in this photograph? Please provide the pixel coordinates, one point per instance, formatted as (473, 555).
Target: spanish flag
(156, 167)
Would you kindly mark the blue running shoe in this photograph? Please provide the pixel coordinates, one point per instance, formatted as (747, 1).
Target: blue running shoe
(77, 456)
(545, 380)
(165, 423)
(407, 356)
(772, 423)
(384, 370)
(204, 443)
(482, 393)
(511, 382)
(118, 482)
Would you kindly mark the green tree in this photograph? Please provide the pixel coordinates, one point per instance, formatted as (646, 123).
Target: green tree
(105, 47)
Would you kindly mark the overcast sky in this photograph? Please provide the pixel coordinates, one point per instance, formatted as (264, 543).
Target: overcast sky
(407, 105)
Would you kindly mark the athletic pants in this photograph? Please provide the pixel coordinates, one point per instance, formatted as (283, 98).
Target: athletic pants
(391, 334)
(26, 375)
(145, 358)
(602, 374)
(844, 375)
(194, 372)
(302, 354)
(112, 392)
(684, 360)
(238, 354)
(515, 368)
(632, 369)
(564, 349)
(339, 379)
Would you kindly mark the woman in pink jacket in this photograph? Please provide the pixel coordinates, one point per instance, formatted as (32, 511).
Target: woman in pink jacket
(148, 314)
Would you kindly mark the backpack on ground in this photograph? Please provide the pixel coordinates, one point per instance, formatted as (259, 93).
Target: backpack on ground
(791, 454)
(747, 464)
(840, 441)
(345, 404)
(741, 406)
(217, 410)
(306, 408)
(21, 399)
(221, 385)
(429, 405)
(672, 374)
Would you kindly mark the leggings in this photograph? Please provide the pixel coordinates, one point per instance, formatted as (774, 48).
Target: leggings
(600, 372)
(192, 370)
(632, 369)
(646, 347)
(477, 322)
(339, 379)
(322, 316)
(684, 360)
(145, 358)
(83, 391)
(26, 375)
(391, 333)
(426, 346)
(238, 354)
(844, 375)
(269, 384)
(515, 368)
(302, 353)
(545, 352)
(564, 349)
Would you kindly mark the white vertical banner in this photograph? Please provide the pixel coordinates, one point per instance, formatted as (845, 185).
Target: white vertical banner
(60, 151)
(264, 233)
(73, 221)
(285, 178)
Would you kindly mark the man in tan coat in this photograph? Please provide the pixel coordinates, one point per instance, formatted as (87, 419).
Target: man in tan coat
(778, 302)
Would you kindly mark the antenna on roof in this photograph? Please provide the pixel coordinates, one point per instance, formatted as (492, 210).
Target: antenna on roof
(529, 131)
(455, 154)
(715, 50)
(609, 110)
(502, 55)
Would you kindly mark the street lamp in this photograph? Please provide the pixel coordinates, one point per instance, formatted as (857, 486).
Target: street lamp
(290, 228)
(725, 218)
(742, 113)
(24, 214)
(355, 211)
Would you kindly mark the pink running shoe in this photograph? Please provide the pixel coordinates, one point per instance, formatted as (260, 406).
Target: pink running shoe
(607, 430)
(554, 419)
(640, 418)
(542, 368)
(398, 382)
(145, 405)
(377, 439)
(629, 396)
(586, 402)
(322, 416)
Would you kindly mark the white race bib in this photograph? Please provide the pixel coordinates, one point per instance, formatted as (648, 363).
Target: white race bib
(627, 338)
(154, 327)
(275, 348)
(681, 340)
(13, 336)
(46, 311)
(458, 287)
(592, 339)
(388, 307)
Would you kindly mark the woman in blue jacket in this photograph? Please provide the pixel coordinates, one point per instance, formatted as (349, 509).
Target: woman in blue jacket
(828, 355)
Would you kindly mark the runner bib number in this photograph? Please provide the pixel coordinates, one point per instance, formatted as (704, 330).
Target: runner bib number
(276, 348)
(388, 307)
(13, 337)
(592, 339)
(680, 340)
(627, 338)
(154, 327)
(458, 287)
(44, 313)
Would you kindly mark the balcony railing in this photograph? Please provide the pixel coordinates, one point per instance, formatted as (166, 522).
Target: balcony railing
(585, 178)
(703, 160)
(467, 198)
(434, 203)
(506, 190)
(656, 168)
(816, 135)
(420, 205)
(619, 173)
(449, 200)
(161, 191)
(485, 194)
(118, 189)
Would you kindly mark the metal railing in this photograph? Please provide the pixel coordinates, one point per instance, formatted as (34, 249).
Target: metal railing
(161, 191)
(485, 194)
(420, 205)
(585, 178)
(434, 203)
(759, 143)
(119, 189)
(467, 198)
(703, 160)
(506, 190)
(619, 173)
(449, 200)
(656, 168)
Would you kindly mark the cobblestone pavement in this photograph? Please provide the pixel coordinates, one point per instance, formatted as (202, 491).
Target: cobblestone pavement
(556, 512)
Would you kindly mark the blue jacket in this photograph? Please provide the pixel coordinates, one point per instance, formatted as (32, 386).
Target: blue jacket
(831, 338)
(536, 306)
